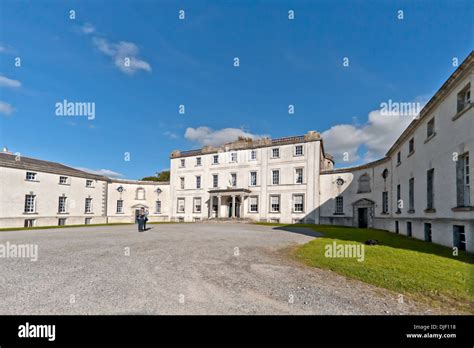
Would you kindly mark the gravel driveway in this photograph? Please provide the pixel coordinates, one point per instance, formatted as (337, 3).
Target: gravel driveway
(178, 269)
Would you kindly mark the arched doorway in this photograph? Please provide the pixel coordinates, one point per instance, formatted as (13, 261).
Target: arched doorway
(363, 213)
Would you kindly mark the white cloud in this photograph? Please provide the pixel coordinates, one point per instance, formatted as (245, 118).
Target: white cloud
(120, 52)
(207, 136)
(88, 28)
(6, 82)
(375, 137)
(106, 172)
(170, 135)
(6, 108)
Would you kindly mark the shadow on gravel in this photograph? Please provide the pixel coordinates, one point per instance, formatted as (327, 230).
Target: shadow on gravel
(300, 230)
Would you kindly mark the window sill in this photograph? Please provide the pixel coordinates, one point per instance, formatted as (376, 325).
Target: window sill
(120, 213)
(27, 213)
(384, 213)
(274, 212)
(463, 208)
(430, 137)
(90, 186)
(63, 213)
(32, 180)
(398, 212)
(432, 210)
(411, 153)
(66, 184)
(411, 211)
(399, 164)
(340, 214)
(462, 112)
(90, 213)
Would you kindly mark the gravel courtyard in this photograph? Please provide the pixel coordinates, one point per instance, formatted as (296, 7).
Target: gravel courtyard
(179, 269)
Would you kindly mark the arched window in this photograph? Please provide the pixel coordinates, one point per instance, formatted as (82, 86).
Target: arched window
(140, 193)
(364, 183)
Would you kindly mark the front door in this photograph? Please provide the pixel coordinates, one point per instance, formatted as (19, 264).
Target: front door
(363, 217)
(137, 212)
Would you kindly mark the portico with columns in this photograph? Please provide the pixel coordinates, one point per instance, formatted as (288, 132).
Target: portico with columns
(227, 203)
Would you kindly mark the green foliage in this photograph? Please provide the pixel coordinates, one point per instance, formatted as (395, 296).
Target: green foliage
(162, 176)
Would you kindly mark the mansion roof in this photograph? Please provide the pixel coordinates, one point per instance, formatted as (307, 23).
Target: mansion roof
(20, 162)
(249, 143)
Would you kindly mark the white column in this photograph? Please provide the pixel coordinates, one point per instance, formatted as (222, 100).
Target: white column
(233, 206)
(218, 206)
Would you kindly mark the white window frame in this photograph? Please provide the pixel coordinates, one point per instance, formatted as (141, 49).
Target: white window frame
(297, 176)
(65, 181)
(339, 208)
(275, 149)
(233, 157)
(181, 199)
(296, 150)
(89, 183)
(198, 182)
(233, 183)
(31, 176)
(253, 155)
(157, 206)
(182, 163)
(30, 203)
(271, 204)
(181, 183)
(198, 161)
(251, 205)
(250, 178)
(195, 205)
(215, 180)
(62, 204)
(273, 171)
(88, 207)
(302, 203)
(119, 207)
(215, 159)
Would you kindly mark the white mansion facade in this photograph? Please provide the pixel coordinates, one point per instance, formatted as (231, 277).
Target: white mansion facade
(420, 188)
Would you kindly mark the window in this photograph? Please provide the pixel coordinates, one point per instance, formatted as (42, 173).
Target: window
(298, 203)
(364, 183)
(299, 150)
(463, 181)
(215, 159)
(140, 193)
(180, 205)
(88, 221)
(399, 157)
(427, 232)
(253, 204)
(339, 205)
(233, 156)
(63, 180)
(62, 205)
(198, 161)
(275, 204)
(411, 146)
(430, 128)
(88, 207)
(198, 181)
(119, 206)
(253, 155)
(464, 98)
(181, 183)
(215, 180)
(29, 223)
(197, 205)
(459, 237)
(253, 178)
(61, 221)
(411, 195)
(409, 233)
(30, 203)
(158, 207)
(276, 152)
(182, 163)
(275, 177)
(30, 176)
(399, 199)
(430, 189)
(89, 183)
(299, 175)
(397, 229)
(233, 179)
(385, 202)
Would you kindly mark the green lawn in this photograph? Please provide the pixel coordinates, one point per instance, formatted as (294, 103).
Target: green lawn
(424, 271)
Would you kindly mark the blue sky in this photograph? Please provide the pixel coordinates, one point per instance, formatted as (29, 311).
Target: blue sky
(191, 62)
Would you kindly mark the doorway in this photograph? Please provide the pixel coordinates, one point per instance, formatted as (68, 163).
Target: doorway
(363, 217)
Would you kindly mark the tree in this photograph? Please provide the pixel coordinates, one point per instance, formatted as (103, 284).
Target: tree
(161, 176)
